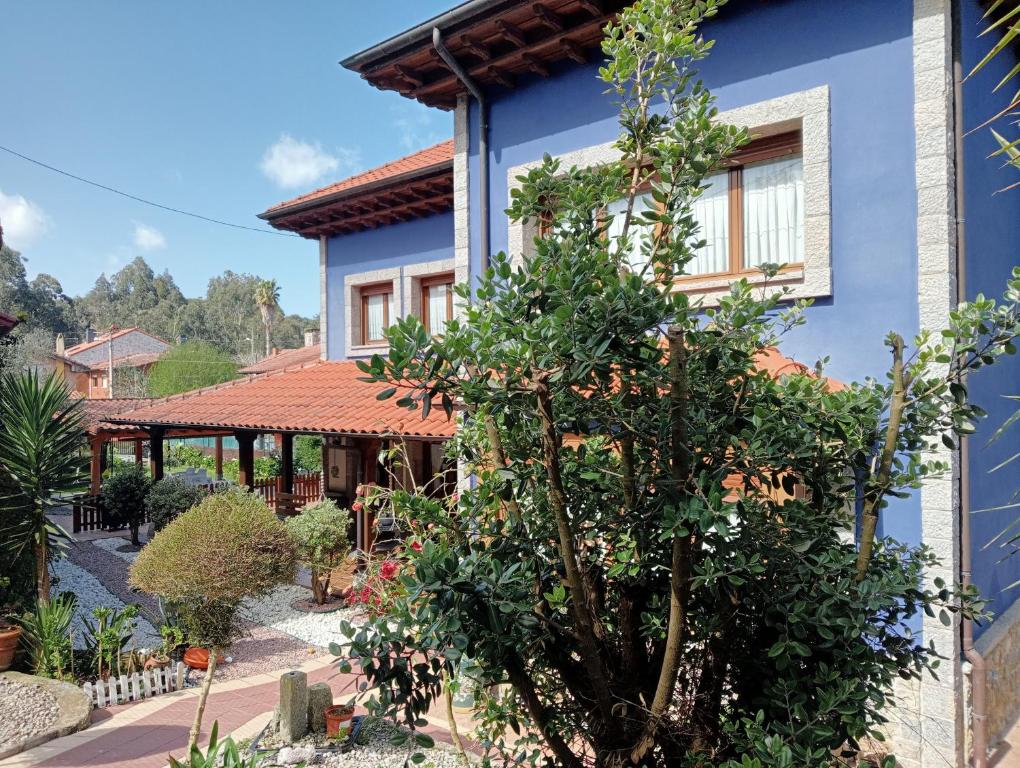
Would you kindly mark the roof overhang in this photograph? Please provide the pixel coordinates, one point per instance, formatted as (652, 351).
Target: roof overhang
(411, 195)
(495, 40)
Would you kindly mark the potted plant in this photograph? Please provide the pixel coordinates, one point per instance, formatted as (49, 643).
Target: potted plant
(10, 634)
(338, 720)
(173, 638)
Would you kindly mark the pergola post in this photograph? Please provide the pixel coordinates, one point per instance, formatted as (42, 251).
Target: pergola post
(97, 446)
(156, 452)
(219, 457)
(246, 458)
(286, 443)
(138, 452)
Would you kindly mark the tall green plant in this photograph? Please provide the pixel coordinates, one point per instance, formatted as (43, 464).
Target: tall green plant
(41, 437)
(48, 636)
(267, 298)
(123, 496)
(657, 553)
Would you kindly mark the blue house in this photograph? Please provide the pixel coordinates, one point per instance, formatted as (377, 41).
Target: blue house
(861, 178)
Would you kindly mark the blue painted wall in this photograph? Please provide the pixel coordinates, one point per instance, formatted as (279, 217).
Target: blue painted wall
(993, 249)
(396, 245)
(863, 52)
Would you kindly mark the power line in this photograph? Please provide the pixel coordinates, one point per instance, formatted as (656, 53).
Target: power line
(143, 200)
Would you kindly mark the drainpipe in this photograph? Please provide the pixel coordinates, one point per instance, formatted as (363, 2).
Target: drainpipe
(483, 138)
(978, 668)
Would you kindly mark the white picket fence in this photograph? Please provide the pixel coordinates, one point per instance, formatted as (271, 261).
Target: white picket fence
(140, 685)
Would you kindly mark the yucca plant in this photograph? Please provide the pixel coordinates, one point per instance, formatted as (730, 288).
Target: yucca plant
(1003, 17)
(41, 435)
(220, 754)
(47, 636)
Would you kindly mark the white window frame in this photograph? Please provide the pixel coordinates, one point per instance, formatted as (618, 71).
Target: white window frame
(805, 110)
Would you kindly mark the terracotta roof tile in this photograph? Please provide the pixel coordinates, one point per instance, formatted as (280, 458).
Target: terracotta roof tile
(326, 396)
(96, 412)
(285, 358)
(436, 155)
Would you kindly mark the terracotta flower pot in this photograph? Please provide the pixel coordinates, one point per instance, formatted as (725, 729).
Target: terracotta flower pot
(338, 720)
(9, 636)
(198, 658)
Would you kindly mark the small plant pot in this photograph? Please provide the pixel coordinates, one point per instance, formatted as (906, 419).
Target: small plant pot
(338, 720)
(198, 658)
(158, 662)
(9, 636)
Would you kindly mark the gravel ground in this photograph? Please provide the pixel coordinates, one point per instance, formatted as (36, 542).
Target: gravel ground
(375, 751)
(274, 611)
(92, 594)
(25, 710)
(114, 545)
(112, 571)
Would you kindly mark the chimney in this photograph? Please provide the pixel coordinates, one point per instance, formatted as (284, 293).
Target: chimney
(311, 338)
(60, 344)
(90, 335)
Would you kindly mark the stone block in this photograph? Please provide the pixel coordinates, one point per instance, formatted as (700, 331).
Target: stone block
(293, 706)
(320, 698)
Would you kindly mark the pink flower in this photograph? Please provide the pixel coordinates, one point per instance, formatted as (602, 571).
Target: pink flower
(388, 570)
(357, 506)
(455, 497)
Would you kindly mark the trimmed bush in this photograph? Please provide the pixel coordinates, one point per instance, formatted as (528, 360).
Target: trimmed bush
(210, 558)
(320, 533)
(123, 498)
(169, 498)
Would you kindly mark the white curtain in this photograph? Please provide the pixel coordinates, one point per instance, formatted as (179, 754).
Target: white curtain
(640, 234)
(375, 318)
(712, 214)
(774, 212)
(437, 307)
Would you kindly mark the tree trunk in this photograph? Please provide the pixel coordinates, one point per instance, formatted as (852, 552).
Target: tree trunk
(452, 721)
(318, 594)
(196, 726)
(42, 570)
(269, 345)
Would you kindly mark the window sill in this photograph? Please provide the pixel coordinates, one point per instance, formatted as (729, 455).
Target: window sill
(802, 282)
(368, 349)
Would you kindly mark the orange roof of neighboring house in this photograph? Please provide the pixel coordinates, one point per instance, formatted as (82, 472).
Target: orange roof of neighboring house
(105, 338)
(128, 361)
(8, 321)
(775, 363)
(323, 397)
(426, 158)
(285, 358)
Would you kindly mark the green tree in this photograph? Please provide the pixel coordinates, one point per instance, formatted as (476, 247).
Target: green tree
(41, 435)
(657, 553)
(267, 299)
(189, 366)
(321, 533)
(206, 561)
(123, 498)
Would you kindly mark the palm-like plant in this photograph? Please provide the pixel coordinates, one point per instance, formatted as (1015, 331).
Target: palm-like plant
(267, 297)
(1003, 17)
(41, 434)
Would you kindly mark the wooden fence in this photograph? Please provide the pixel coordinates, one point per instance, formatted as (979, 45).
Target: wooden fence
(140, 685)
(86, 514)
(307, 488)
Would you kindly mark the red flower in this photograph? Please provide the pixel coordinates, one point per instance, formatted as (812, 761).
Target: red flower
(388, 570)
(416, 546)
(357, 506)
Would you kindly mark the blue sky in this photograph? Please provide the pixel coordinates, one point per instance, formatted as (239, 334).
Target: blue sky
(222, 108)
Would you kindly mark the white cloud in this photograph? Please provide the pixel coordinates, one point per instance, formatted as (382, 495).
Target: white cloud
(291, 162)
(23, 221)
(148, 238)
(417, 127)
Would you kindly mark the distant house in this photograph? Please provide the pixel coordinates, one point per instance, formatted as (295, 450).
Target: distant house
(86, 365)
(7, 323)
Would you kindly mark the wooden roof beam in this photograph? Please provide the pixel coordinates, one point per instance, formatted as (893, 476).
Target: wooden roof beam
(573, 50)
(547, 18)
(511, 33)
(535, 64)
(408, 75)
(594, 7)
(501, 77)
(475, 48)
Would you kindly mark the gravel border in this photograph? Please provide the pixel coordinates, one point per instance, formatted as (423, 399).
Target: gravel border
(91, 594)
(275, 611)
(111, 571)
(25, 712)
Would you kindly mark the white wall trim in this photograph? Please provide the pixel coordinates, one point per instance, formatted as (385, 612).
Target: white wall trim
(808, 110)
(353, 284)
(461, 198)
(323, 301)
(941, 735)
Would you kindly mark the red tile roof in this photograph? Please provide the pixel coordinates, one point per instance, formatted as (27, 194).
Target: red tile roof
(96, 413)
(8, 321)
(323, 397)
(105, 338)
(426, 158)
(285, 358)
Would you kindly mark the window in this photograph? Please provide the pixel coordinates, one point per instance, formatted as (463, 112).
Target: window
(376, 302)
(749, 214)
(436, 303)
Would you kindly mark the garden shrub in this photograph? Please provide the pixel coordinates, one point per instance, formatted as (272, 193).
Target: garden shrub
(123, 499)
(205, 562)
(321, 535)
(169, 498)
(307, 453)
(47, 636)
